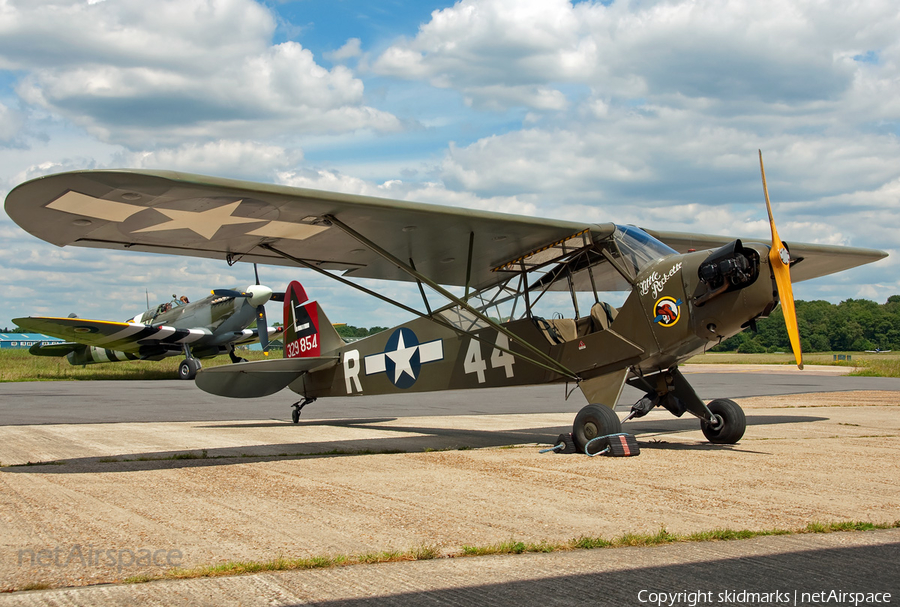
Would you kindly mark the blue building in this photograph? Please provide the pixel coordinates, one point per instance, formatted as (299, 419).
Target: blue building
(25, 340)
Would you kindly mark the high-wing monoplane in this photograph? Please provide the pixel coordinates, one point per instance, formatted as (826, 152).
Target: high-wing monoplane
(205, 328)
(481, 277)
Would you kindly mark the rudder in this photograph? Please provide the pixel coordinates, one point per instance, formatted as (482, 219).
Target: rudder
(307, 330)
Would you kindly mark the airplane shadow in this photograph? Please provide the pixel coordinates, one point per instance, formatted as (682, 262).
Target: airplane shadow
(407, 439)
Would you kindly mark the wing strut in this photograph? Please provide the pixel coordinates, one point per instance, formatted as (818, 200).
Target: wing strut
(555, 368)
(450, 296)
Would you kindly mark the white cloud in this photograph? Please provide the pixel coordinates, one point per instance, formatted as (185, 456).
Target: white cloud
(237, 159)
(143, 73)
(350, 50)
(766, 51)
(433, 193)
(644, 112)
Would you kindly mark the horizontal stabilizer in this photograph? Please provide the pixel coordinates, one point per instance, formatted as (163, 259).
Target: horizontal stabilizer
(258, 378)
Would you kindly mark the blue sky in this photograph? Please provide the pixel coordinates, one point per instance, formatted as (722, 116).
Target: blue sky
(635, 111)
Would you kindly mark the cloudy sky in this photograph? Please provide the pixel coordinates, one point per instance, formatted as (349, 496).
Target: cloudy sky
(630, 111)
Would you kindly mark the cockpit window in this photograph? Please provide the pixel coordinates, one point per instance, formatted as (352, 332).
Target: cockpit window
(638, 248)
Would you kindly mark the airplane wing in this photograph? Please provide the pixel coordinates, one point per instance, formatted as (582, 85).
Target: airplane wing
(183, 214)
(813, 260)
(122, 336)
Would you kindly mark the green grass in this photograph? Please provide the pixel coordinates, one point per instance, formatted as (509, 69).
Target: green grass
(20, 365)
(427, 552)
(864, 364)
(659, 538)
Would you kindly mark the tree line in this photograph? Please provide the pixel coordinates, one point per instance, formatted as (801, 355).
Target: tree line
(351, 332)
(853, 325)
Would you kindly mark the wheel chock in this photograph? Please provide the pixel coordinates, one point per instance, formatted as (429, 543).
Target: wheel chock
(614, 445)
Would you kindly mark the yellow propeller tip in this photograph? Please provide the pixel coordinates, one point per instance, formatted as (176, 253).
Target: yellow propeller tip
(800, 366)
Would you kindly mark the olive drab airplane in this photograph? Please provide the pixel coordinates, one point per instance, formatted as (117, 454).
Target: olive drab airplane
(202, 329)
(481, 276)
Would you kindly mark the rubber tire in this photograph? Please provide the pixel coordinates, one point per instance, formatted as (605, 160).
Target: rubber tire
(188, 368)
(568, 441)
(295, 415)
(734, 422)
(593, 421)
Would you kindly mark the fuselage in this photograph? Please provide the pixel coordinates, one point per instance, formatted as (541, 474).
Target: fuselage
(673, 312)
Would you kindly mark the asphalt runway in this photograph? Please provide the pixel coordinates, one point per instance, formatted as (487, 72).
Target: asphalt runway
(79, 402)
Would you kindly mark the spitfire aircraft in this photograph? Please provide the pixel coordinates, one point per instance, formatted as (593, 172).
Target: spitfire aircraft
(202, 329)
(481, 277)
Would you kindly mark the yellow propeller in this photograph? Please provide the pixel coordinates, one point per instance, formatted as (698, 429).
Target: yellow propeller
(780, 260)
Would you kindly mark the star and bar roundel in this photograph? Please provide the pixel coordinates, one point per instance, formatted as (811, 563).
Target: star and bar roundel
(403, 357)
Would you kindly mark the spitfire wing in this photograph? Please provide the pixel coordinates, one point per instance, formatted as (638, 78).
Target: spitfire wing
(122, 336)
(181, 214)
(812, 260)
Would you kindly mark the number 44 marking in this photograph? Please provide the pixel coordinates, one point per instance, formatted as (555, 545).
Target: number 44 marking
(474, 363)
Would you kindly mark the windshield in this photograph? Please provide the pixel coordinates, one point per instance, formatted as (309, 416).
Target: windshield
(638, 248)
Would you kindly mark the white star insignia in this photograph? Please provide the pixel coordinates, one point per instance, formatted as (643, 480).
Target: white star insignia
(401, 357)
(204, 223)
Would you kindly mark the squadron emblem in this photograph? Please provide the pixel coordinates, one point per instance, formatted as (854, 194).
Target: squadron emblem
(667, 310)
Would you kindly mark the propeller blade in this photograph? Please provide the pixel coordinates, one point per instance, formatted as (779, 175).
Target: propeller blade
(262, 328)
(230, 293)
(277, 296)
(780, 260)
(256, 273)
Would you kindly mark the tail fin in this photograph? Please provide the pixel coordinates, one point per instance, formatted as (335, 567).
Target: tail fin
(307, 331)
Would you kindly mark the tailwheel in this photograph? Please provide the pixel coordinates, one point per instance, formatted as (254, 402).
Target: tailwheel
(592, 421)
(188, 368)
(731, 422)
(298, 406)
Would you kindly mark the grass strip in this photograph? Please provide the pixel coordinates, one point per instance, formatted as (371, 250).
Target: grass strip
(661, 537)
(20, 365)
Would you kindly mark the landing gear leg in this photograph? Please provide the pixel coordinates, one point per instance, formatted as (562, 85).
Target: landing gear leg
(722, 422)
(234, 357)
(189, 366)
(298, 406)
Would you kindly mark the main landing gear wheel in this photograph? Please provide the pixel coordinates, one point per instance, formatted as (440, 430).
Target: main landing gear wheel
(295, 415)
(593, 421)
(188, 368)
(732, 422)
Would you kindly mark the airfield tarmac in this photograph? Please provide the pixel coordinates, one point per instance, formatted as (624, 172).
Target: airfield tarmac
(437, 474)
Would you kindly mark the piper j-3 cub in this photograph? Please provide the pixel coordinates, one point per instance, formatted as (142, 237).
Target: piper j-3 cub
(202, 329)
(488, 271)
